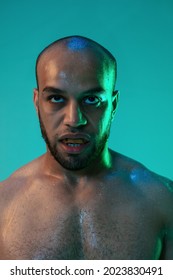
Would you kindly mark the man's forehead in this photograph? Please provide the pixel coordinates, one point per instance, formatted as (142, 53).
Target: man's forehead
(76, 55)
(62, 59)
(74, 50)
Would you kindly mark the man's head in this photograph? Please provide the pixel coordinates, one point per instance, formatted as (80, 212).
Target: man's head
(75, 100)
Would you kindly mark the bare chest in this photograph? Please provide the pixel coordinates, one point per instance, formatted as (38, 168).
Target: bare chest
(100, 230)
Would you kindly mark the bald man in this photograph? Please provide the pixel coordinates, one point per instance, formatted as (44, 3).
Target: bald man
(81, 200)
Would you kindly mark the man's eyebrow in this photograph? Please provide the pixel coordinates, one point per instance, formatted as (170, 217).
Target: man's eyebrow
(52, 90)
(94, 90)
(57, 90)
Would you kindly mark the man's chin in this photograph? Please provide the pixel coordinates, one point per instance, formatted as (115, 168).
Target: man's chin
(72, 162)
(73, 159)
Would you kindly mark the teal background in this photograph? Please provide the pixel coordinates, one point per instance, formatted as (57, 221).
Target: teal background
(138, 32)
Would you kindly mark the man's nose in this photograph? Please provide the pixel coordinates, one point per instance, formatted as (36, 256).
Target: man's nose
(74, 116)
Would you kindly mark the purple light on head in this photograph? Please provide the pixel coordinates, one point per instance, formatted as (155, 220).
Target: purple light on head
(77, 44)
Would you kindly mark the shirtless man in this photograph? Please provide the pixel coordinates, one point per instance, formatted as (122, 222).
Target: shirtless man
(81, 200)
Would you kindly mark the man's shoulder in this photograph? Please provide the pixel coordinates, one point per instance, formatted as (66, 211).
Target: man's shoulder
(27, 170)
(140, 175)
(150, 188)
(17, 180)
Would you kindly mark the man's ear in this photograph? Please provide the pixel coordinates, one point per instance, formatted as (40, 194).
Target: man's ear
(35, 99)
(115, 99)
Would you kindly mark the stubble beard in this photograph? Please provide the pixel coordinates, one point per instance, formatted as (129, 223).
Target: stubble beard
(72, 161)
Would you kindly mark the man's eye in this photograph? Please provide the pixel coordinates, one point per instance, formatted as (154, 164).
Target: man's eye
(56, 99)
(91, 100)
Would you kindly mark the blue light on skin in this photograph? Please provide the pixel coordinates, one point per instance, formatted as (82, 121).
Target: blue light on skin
(138, 175)
(77, 44)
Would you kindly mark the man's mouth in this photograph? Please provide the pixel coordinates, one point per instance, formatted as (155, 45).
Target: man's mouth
(74, 142)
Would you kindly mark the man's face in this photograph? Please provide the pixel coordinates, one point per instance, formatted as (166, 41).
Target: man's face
(74, 105)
